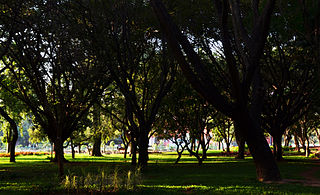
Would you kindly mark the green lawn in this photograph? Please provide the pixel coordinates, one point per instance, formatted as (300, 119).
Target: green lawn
(218, 175)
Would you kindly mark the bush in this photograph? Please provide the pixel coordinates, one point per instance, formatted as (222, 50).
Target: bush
(24, 153)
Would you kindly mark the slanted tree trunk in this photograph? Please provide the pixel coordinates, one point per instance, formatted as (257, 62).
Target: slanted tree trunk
(180, 152)
(13, 135)
(96, 150)
(266, 167)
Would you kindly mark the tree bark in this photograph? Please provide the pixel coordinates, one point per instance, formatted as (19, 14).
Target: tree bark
(13, 138)
(58, 147)
(266, 167)
(143, 148)
(228, 147)
(73, 152)
(133, 152)
(240, 141)
(307, 151)
(278, 152)
(296, 142)
(96, 150)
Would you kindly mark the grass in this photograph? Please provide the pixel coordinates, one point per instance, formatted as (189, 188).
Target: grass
(218, 175)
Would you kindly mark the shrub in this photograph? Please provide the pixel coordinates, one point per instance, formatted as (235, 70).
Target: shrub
(24, 153)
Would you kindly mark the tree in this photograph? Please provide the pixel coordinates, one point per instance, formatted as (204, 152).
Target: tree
(244, 71)
(225, 129)
(185, 120)
(137, 60)
(50, 63)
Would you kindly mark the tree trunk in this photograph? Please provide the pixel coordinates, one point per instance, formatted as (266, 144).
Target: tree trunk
(307, 151)
(73, 152)
(266, 167)
(143, 148)
(228, 147)
(96, 150)
(240, 142)
(58, 147)
(133, 152)
(125, 151)
(179, 154)
(296, 142)
(13, 135)
(278, 147)
(288, 138)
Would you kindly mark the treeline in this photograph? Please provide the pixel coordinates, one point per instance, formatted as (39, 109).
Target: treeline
(183, 70)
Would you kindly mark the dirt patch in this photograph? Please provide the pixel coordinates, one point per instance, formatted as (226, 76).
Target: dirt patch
(309, 178)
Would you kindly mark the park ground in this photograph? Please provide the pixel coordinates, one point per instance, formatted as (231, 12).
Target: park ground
(220, 174)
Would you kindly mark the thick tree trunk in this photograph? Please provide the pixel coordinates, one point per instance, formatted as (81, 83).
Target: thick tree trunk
(241, 148)
(96, 150)
(58, 147)
(143, 148)
(278, 147)
(228, 147)
(266, 167)
(240, 142)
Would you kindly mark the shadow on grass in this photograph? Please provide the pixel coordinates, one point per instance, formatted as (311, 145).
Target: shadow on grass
(218, 175)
